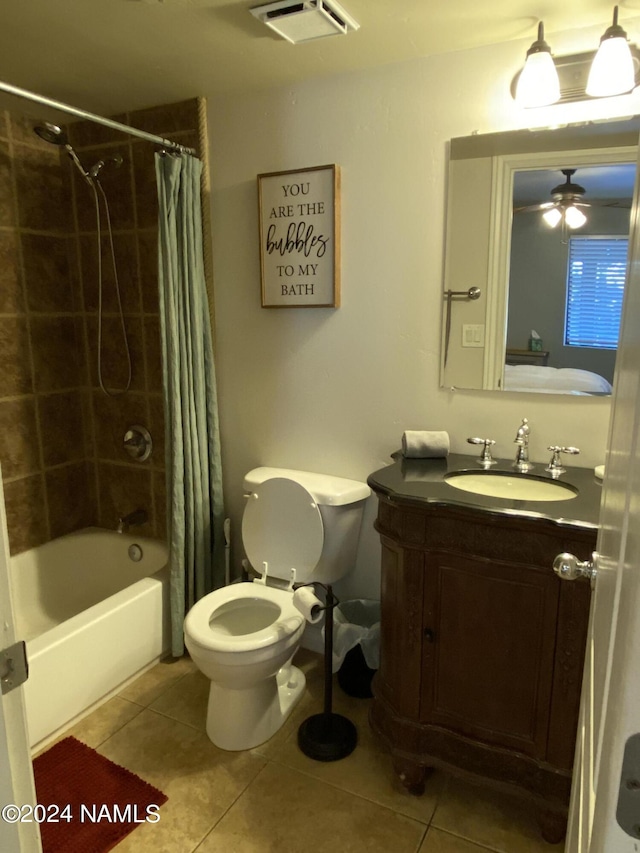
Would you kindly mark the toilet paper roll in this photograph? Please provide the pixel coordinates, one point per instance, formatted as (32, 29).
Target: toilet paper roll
(425, 444)
(308, 604)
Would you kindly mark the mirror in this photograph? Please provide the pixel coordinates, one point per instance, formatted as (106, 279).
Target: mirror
(520, 334)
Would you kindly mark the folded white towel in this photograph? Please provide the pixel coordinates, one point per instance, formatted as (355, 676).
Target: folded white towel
(423, 444)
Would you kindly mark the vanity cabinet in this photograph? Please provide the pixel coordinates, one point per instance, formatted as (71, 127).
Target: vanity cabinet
(482, 649)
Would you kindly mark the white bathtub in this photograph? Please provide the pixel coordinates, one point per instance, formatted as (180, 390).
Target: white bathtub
(92, 618)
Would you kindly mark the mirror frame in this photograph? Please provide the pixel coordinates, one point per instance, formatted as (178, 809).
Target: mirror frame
(591, 143)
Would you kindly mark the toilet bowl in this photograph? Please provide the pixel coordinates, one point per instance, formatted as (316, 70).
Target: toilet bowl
(241, 637)
(297, 527)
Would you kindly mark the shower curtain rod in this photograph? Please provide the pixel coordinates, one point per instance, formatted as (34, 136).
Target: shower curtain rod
(107, 122)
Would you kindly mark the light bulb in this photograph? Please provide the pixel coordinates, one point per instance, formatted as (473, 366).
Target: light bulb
(574, 217)
(612, 71)
(552, 217)
(538, 84)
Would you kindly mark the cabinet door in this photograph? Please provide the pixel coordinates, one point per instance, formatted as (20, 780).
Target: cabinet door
(488, 650)
(398, 677)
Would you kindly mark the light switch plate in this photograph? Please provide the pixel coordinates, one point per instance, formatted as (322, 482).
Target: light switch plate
(472, 335)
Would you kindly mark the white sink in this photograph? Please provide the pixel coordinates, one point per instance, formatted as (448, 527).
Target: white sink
(517, 487)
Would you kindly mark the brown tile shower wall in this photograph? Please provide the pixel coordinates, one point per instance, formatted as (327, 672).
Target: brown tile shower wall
(61, 437)
(49, 486)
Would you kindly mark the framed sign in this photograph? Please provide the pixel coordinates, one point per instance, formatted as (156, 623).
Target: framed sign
(300, 238)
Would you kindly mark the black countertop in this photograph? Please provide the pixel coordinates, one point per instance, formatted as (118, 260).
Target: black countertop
(421, 481)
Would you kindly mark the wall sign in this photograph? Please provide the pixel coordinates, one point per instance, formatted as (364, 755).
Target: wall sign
(300, 238)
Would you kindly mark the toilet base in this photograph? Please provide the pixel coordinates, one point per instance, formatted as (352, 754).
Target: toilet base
(240, 719)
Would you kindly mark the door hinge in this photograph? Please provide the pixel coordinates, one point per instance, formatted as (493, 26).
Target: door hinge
(14, 667)
(628, 809)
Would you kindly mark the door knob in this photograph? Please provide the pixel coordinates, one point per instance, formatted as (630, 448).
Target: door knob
(568, 567)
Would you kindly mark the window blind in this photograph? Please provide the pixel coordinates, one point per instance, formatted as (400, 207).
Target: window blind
(595, 289)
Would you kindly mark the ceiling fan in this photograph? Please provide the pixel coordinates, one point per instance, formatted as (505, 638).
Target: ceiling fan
(568, 205)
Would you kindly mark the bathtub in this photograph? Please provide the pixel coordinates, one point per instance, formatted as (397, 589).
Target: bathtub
(92, 618)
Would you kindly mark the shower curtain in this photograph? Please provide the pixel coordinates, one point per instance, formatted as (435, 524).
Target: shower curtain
(195, 511)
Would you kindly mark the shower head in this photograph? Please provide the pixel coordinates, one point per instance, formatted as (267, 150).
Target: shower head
(51, 133)
(55, 135)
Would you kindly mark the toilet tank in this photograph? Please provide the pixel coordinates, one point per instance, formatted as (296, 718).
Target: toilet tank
(341, 504)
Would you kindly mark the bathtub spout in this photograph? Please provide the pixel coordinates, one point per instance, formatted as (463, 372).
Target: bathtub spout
(132, 519)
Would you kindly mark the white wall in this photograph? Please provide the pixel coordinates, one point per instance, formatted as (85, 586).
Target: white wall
(332, 390)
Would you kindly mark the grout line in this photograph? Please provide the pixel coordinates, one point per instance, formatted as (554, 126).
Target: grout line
(120, 727)
(351, 793)
(231, 805)
(423, 838)
(168, 716)
(168, 686)
(479, 844)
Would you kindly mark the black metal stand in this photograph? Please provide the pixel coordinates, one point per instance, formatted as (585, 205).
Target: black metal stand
(327, 736)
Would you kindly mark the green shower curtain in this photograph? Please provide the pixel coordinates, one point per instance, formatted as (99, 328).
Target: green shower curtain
(195, 511)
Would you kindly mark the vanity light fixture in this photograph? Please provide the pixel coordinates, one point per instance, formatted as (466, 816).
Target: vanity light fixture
(538, 84)
(612, 71)
(545, 80)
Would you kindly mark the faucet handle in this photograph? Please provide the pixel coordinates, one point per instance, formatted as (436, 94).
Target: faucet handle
(485, 457)
(555, 465)
(522, 435)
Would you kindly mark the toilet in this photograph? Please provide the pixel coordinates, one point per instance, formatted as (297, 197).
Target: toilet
(298, 527)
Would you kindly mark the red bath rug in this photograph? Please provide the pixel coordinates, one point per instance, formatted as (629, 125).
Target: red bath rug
(86, 803)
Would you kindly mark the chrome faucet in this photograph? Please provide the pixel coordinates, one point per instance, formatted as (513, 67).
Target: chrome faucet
(132, 519)
(486, 459)
(522, 463)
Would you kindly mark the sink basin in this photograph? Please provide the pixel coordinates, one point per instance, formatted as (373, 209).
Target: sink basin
(517, 487)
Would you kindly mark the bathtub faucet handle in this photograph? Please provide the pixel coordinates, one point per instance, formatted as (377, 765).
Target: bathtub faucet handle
(132, 519)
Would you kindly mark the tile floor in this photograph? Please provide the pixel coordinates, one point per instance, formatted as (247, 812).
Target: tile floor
(273, 799)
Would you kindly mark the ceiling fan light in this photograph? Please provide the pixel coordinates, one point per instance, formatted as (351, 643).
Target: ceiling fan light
(612, 71)
(552, 217)
(574, 217)
(538, 83)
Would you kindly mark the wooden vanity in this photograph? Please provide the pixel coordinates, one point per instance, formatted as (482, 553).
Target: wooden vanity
(482, 645)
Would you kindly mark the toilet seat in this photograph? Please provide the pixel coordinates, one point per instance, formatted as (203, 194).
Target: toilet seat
(282, 527)
(211, 621)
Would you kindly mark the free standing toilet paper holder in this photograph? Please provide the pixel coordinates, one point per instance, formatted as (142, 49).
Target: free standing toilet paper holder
(327, 736)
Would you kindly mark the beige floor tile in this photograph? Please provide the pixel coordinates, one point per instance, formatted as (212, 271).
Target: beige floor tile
(200, 780)
(104, 721)
(186, 700)
(97, 726)
(368, 771)
(443, 842)
(154, 682)
(500, 822)
(284, 811)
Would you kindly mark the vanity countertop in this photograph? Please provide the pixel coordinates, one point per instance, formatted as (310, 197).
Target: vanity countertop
(421, 481)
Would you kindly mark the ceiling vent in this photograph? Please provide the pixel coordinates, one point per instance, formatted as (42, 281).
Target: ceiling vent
(305, 21)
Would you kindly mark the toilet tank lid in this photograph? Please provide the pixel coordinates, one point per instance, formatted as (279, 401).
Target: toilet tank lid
(326, 489)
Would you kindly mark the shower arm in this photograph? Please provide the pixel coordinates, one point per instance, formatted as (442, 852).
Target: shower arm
(83, 114)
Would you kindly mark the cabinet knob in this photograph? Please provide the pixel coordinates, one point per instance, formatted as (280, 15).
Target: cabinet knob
(429, 635)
